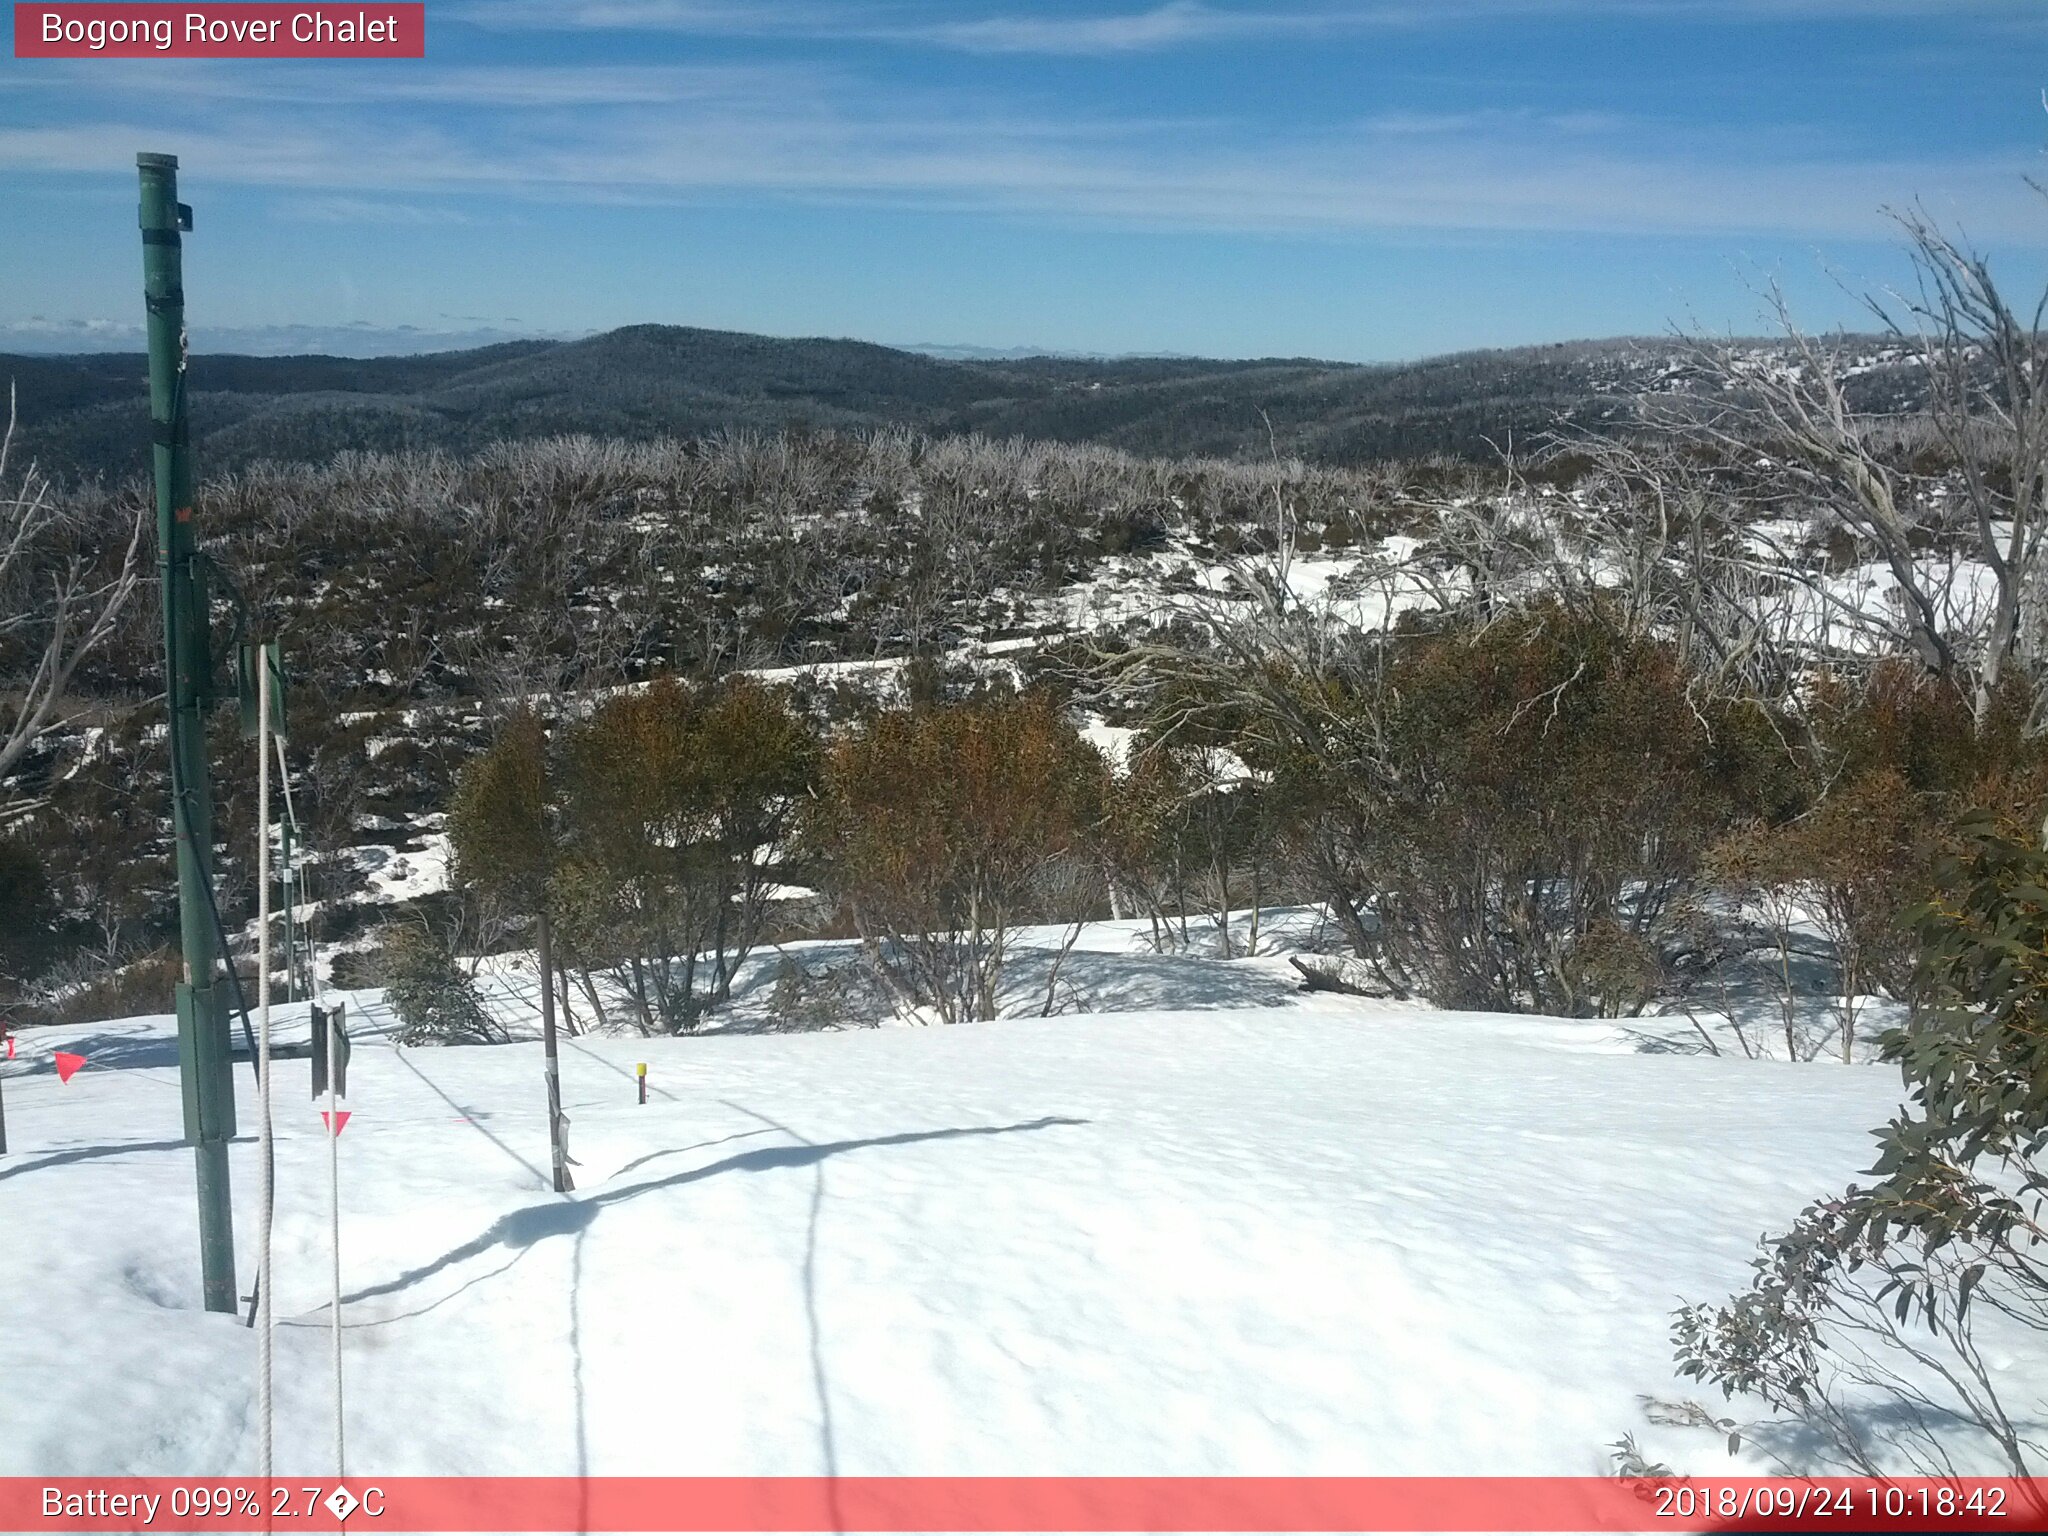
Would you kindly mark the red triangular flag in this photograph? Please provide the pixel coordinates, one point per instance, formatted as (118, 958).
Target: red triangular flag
(67, 1064)
(340, 1119)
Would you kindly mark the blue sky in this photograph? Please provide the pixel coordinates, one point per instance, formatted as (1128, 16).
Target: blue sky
(1362, 179)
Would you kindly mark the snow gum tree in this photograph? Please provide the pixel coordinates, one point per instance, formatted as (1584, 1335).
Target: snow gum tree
(500, 820)
(501, 827)
(1554, 783)
(1870, 783)
(1189, 828)
(1501, 808)
(939, 830)
(679, 804)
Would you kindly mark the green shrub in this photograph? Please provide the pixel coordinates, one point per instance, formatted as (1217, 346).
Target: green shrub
(435, 1000)
(1551, 785)
(941, 828)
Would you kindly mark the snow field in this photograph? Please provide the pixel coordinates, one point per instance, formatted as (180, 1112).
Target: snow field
(1332, 1237)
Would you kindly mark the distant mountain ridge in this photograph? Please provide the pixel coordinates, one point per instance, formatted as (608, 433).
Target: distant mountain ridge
(968, 352)
(86, 414)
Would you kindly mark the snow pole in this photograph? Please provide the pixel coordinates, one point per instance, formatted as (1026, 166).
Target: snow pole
(330, 1041)
(558, 1126)
(640, 1072)
(333, 1033)
(204, 1064)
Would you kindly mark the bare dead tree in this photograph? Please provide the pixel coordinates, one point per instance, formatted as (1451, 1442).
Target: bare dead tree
(1988, 402)
(1243, 657)
(1661, 536)
(55, 607)
(545, 553)
(1784, 437)
(1777, 435)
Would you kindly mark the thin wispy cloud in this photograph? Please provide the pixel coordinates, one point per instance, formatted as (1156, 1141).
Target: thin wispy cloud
(1172, 24)
(749, 135)
(370, 210)
(1175, 24)
(325, 86)
(1498, 120)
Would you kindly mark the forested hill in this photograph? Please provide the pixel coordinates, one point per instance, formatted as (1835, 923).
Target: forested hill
(86, 414)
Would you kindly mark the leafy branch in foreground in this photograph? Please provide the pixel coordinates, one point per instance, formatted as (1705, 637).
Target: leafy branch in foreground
(1882, 1326)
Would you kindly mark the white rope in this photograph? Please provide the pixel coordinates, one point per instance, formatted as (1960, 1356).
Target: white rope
(265, 1336)
(284, 780)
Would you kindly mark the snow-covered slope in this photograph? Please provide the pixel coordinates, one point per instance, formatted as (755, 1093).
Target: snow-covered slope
(1330, 1237)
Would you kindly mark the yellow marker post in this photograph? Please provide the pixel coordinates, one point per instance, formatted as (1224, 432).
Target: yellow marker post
(640, 1070)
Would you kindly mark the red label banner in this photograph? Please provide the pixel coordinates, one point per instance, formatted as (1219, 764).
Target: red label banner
(1024, 1504)
(220, 31)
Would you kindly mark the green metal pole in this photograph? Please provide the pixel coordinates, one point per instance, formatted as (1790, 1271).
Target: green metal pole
(204, 1061)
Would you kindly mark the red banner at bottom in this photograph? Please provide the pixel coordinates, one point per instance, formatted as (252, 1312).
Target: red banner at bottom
(1025, 1504)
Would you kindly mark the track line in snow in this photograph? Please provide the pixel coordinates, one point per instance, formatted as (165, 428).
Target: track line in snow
(615, 1067)
(469, 1117)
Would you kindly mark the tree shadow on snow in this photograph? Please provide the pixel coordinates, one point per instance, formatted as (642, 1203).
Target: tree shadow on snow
(111, 1051)
(520, 1230)
(87, 1154)
(1096, 981)
(1895, 1430)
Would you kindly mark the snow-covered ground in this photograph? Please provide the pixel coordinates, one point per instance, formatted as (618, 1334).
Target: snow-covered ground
(1280, 1233)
